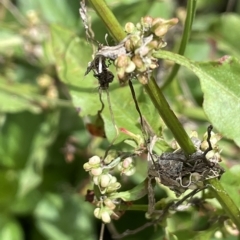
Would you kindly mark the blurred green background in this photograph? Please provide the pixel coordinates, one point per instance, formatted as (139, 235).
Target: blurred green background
(45, 140)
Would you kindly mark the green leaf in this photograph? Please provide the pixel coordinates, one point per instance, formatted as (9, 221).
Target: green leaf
(17, 97)
(226, 40)
(221, 89)
(188, 234)
(9, 40)
(31, 176)
(54, 11)
(10, 229)
(155, 9)
(65, 218)
(8, 188)
(14, 151)
(222, 95)
(26, 204)
(231, 182)
(125, 113)
(72, 57)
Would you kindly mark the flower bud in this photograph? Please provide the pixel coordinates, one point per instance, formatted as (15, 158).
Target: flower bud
(153, 44)
(196, 177)
(218, 156)
(96, 171)
(44, 81)
(161, 44)
(143, 79)
(128, 46)
(146, 22)
(137, 60)
(138, 26)
(97, 213)
(126, 167)
(144, 50)
(122, 61)
(121, 74)
(95, 180)
(94, 160)
(106, 217)
(210, 154)
(130, 171)
(194, 134)
(157, 21)
(204, 145)
(113, 179)
(127, 162)
(52, 92)
(160, 31)
(161, 26)
(129, 27)
(109, 203)
(130, 68)
(215, 138)
(120, 168)
(172, 22)
(104, 180)
(153, 64)
(113, 187)
(136, 41)
(87, 166)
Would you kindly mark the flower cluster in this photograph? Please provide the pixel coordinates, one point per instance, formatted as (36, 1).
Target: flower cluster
(105, 209)
(107, 184)
(214, 154)
(102, 178)
(142, 40)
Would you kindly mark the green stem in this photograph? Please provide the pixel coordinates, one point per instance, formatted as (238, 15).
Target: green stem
(191, 6)
(167, 114)
(109, 19)
(169, 117)
(196, 113)
(226, 202)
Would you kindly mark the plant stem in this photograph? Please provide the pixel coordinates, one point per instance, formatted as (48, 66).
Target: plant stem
(109, 19)
(167, 114)
(169, 117)
(226, 202)
(191, 6)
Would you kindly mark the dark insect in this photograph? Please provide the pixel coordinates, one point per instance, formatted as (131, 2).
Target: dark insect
(101, 71)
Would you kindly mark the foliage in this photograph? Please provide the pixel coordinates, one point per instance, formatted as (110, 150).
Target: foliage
(49, 116)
